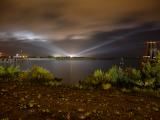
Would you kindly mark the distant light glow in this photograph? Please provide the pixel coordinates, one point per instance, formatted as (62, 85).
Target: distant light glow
(25, 35)
(79, 37)
(72, 55)
(57, 55)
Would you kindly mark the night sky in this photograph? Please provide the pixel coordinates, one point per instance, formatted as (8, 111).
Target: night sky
(78, 27)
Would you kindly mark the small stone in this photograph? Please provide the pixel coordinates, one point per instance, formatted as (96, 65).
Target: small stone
(81, 110)
(88, 94)
(59, 111)
(39, 96)
(87, 114)
(26, 96)
(38, 106)
(151, 118)
(155, 109)
(138, 108)
(141, 99)
(68, 116)
(117, 112)
(94, 111)
(22, 99)
(15, 94)
(130, 114)
(3, 90)
(32, 110)
(82, 117)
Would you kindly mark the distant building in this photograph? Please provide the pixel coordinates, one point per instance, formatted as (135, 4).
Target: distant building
(151, 50)
(0, 54)
(3, 55)
(122, 63)
(20, 56)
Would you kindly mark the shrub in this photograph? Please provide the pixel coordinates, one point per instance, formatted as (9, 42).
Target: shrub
(113, 74)
(146, 71)
(103, 80)
(13, 72)
(23, 76)
(118, 77)
(157, 60)
(2, 72)
(39, 75)
(156, 70)
(132, 77)
(121, 78)
(156, 73)
(151, 73)
(106, 86)
(95, 80)
(36, 75)
(9, 73)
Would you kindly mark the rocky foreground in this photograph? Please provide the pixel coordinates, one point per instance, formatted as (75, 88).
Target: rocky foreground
(26, 102)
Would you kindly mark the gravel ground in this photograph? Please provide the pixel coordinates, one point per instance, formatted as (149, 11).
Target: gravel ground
(26, 102)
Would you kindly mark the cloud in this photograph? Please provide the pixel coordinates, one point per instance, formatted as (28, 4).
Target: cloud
(22, 36)
(73, 25)
(65, 18)
(121, 41)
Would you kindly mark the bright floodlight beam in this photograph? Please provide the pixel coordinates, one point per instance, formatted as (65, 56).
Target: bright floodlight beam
(114, 40)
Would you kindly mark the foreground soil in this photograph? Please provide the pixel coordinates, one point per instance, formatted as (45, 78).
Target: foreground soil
(26, 102)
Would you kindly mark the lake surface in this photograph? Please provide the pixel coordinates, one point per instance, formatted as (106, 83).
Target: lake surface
(71, 71)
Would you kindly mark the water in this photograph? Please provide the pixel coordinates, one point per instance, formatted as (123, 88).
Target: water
(71, 71)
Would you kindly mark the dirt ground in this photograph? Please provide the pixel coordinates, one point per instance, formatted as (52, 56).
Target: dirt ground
(26, 102)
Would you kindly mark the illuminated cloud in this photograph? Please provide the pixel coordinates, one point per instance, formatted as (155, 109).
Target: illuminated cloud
(64, 18)
(22, 36)
(74, 25)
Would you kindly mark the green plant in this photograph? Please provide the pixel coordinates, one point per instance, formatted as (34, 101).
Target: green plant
(106, 86)
(13, 72)
(118, 77)
(156, 73)
(157, 60)
(151, 73)
(132, 77)
(39, 75)
(23, 76)
(9, 73)
(146, 70)
(114, 74)
(2, 72)
(95, 80)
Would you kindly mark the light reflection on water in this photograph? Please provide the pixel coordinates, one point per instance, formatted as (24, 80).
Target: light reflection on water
(73, 70)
